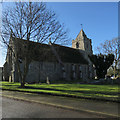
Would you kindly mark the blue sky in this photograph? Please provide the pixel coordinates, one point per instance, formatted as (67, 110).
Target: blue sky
(99, 19)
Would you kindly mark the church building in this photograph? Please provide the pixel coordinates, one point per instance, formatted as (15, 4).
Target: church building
(51, 61)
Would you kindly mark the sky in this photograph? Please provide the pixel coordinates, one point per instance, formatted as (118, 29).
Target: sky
(99, 20)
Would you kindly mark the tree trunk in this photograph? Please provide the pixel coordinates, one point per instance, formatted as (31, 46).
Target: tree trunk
(22, 84)
(21, 77)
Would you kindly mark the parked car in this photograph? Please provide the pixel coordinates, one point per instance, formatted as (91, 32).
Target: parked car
(112, 77)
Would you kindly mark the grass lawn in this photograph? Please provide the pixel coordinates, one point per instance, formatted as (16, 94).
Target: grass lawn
(109, 92)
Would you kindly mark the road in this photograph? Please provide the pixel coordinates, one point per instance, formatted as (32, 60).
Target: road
(22, 109)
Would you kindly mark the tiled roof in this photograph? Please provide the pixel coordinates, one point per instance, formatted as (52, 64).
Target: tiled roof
(43, 52)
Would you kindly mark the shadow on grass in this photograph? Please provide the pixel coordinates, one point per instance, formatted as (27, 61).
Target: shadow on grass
(73, 91)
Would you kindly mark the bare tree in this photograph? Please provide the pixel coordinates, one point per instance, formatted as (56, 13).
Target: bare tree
(33, 22)
(111, 47)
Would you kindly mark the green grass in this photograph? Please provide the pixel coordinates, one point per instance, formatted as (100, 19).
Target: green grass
(79, 90)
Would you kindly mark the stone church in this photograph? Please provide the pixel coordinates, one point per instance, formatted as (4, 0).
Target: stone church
(52, 61)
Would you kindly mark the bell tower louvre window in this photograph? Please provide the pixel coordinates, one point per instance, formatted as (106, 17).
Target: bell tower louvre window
(77, 45)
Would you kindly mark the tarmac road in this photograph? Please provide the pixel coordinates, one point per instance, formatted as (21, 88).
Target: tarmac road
(22, 109)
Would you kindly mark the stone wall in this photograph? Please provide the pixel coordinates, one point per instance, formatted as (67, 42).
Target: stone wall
(40, 71)
(1, 73)
(6, 72)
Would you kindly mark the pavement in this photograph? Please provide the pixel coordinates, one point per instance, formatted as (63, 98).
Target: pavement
(106, 109)
(12, 108)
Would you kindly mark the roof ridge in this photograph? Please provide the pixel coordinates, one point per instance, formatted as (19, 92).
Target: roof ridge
(80, 33)
(66, 54)
(31, 41)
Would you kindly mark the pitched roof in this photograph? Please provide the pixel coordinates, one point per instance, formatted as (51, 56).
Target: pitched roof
(70, 55)
(82, 33)
(43, 52)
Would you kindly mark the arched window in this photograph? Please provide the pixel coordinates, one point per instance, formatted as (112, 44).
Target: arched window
(74, 75)
(63, 72)
(87, 46)
(77, 45)
(73, 67)
(80, 68)
(81, 75)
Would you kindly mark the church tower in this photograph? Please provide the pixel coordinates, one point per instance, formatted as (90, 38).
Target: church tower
(83, 43)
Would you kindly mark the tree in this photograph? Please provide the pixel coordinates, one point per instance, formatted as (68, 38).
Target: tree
(33, 22)
(111, 47)
(102, 63)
